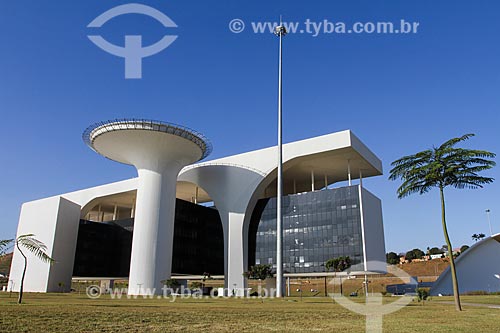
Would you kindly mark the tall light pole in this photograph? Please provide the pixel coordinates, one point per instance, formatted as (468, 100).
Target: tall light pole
(489, 222)
(279, 31)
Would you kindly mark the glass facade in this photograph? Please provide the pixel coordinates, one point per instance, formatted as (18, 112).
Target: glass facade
(198, 240)
(103, 248)
(317, 226)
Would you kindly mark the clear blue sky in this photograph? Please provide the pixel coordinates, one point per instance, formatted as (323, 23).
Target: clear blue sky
(398, 93)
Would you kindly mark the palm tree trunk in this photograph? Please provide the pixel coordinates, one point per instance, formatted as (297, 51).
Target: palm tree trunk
(454, 280)
(20, 299)
(326, 288)
(260, 291)
(334, 276)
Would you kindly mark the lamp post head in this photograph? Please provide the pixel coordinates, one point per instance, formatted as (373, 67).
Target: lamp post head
(487, 211)
(280, 30)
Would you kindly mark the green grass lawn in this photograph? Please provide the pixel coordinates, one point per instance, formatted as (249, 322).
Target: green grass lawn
(493, 299)
(77, 313)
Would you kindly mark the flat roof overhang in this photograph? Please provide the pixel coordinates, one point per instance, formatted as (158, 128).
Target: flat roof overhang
(185, 191)
(325, 168)
(328, 157)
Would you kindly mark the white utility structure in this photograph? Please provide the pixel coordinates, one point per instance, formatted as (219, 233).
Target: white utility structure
(158, 151)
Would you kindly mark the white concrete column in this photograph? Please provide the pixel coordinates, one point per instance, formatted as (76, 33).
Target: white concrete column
(349, 172)
(236, 253)
(151, 258)
(362, 219)
(326, 182)
(312, 180)
(360, 178)
(115, 212)
(231, 188)
(288, 286)
(225, 232)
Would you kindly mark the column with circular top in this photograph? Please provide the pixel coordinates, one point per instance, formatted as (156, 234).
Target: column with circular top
(158, 151)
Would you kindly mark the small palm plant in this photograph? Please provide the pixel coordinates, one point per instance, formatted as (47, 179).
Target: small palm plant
(338, 264)
(441, 167)
(3, 245)
(478, 237)
(171, 284)
(38, 248)
(259, 272)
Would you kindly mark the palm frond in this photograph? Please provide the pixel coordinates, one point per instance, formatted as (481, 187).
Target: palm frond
(3, 245)
(410, 188)
(38, 248)
(452, 142)
(443, 166)
(470, 181)
(469, 156)
(402, 165)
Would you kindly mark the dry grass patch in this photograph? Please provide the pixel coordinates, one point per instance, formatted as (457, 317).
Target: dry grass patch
(76, 313)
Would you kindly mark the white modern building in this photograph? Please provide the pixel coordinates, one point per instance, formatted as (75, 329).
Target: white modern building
(126, 229)
(478, 269)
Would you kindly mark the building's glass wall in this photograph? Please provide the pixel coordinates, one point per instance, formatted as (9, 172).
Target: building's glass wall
(104, 248)
(198, 240)
(317, 226)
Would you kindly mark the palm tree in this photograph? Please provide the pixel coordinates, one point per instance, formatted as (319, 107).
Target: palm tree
(3, 245)
(444, 166)
(478, 237)
(259, 272)
(38, 248)
(338, 264)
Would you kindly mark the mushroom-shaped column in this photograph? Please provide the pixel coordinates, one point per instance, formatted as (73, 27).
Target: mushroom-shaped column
(159, 151)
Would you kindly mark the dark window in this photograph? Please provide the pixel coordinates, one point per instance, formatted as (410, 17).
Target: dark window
(103, 248)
